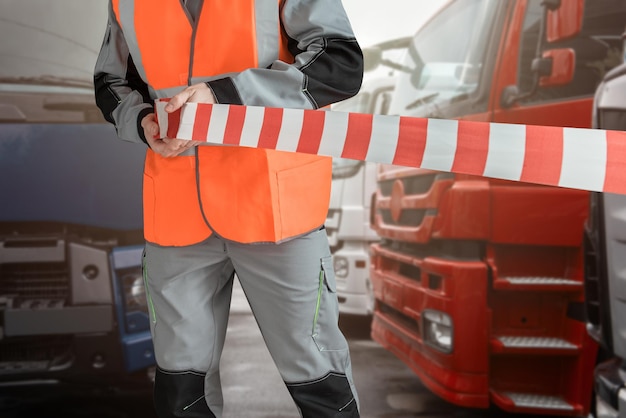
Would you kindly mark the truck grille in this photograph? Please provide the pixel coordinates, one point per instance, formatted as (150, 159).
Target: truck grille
(35, 280)
(408, 217)
(412, 185)
(399, 318)
(410, 201)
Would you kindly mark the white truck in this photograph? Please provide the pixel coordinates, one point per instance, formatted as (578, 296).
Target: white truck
(354, 182)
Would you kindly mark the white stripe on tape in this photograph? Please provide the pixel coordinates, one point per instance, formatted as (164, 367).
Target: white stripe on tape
(507, 146)
(252, 125)
(441, 140)
(290, 130)
(334, 134)
(217, 125)
(384, 139)
(187, 120)
(584, 159)
(162, 117)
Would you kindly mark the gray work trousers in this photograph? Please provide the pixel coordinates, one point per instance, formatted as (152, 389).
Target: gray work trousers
(291, 289)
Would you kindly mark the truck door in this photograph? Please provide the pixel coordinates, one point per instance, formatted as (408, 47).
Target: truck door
(524, 91)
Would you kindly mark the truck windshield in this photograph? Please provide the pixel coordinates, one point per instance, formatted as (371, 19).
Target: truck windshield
(445, 58)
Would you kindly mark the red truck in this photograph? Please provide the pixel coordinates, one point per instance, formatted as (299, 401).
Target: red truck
(478, 282)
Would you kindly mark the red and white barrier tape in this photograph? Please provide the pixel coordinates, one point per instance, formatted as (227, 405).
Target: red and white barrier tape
(587, 159)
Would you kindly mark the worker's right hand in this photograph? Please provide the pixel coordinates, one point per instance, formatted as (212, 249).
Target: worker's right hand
(167, 147)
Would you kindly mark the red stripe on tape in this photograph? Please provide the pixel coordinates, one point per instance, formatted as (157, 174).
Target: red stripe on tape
(543, 157)
(358, 136)
(234, 124)
(312, 129)
(201, 123)
(411, 142)
(272, 121)
(173, 122)
(615, 177)
(472, 148)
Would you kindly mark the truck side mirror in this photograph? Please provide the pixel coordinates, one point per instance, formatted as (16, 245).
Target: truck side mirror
(564, 21)
(554, 68)
(562, 64)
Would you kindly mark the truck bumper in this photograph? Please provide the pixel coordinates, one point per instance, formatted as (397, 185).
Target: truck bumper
(354, 289)
(409, 302)
(455, 386)
(355, 304)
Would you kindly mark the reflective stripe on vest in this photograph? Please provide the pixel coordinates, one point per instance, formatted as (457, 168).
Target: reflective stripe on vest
(243, 194)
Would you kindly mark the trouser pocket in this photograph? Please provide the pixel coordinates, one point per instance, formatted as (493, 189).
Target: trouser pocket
(325, 330)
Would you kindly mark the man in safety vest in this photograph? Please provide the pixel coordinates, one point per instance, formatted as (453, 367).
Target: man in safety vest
(213, 211)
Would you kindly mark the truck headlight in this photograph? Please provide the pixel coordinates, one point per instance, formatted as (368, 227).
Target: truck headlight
(341, 266)
(437, 330)
(135, 292)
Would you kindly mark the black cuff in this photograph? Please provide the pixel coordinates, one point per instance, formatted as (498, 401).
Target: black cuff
(225, 91)
(145, 112)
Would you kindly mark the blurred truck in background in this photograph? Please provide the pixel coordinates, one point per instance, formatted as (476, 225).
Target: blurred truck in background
(72, 304)
(478, 282)
(354, 183)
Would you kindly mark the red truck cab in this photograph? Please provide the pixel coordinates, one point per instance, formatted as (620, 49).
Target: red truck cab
(478, 281)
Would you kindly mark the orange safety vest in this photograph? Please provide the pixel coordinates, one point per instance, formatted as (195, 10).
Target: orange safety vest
(243, 194)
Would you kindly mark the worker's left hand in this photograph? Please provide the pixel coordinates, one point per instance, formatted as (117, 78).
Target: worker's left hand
(198, 93)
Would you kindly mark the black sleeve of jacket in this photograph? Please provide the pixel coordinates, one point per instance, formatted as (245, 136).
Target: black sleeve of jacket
(327, 65)
(108, 100)
(224, 91)
(335, 73)
(120, 93)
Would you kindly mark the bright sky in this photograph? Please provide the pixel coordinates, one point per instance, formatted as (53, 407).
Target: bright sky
(374, 21)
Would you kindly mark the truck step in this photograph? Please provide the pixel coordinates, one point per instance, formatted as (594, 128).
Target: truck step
(538, 345)
(537, 284)
(534, 401)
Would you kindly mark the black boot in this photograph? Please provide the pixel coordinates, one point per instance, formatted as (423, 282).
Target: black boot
(180, 395)
(327, 397)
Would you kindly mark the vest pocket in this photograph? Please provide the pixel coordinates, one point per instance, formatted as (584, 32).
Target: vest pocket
(172, 214)
(303, 197)
(326, 333)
